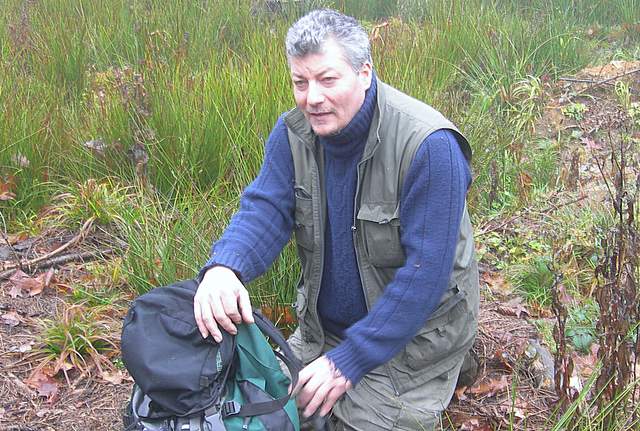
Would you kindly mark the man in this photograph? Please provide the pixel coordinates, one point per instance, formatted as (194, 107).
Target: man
(373, 182)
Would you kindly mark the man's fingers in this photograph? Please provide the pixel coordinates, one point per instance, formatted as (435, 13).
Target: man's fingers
(317, 399)
(334, 394)
(208, 318)
(198, 315)
(303, 376)
(221, 317)
(309, 391)
(230, 307)
(245, 306)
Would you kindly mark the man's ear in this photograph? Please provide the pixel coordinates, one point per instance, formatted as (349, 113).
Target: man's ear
(366, 74)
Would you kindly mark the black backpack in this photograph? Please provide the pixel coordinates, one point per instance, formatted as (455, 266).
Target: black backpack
(184, 382)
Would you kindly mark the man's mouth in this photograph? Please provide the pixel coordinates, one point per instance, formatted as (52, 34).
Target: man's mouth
(319, 114)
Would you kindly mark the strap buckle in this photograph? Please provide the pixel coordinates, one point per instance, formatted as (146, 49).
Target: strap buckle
(230, 408)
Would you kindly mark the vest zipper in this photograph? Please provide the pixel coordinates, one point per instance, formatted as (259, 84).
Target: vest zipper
(354, 229)
(318, 184)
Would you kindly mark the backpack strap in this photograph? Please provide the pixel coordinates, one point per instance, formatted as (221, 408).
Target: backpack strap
(293, 364)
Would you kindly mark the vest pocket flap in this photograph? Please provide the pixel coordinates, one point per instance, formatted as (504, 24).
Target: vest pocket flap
(380, 224)
(446, 332)
(381, 213)
(304, 221)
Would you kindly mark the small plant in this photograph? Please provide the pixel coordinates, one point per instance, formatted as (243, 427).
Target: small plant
(103, 202)
(581, 326)
(79, 337)
(634, 113)
(534, 280)
(107, 273)
(575, 111)
(623, 92)
(94, 296)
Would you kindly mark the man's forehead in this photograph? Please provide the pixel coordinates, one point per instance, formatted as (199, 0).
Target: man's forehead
(321, 70)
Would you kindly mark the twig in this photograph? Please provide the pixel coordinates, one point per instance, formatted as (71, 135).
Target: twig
(604, 81)
(83, 231)
(60, 260)
(551, 207)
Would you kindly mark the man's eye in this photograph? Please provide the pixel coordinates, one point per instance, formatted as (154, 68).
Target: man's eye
(299, 84)
(328, 79)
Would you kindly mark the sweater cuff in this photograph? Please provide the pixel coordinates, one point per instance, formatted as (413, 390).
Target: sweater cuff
(347, 359)
(233, 261)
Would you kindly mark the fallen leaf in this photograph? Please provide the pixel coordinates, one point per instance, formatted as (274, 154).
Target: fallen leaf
(11, 318)
(45, 384)
(22, 348)
(115, 378)
(46, 277)
(475, 424)
(496, 283)
(513, 308)
(30, 285)
(16, 292)
(62, 365)
(505, 358)
(460, 393)
(7, 188)
(24, 282)
(518, 407)
(16, 238)
(490, 387)
(7, 196)
(586, 364)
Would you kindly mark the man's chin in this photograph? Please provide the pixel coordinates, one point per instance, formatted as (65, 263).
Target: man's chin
(325, 130)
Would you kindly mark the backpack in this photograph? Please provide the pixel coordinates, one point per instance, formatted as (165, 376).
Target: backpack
(186, 382)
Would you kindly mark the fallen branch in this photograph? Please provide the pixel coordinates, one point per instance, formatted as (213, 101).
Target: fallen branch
(603, 81)
(596, 83)
(83, 232)
(486, 228)
(61, 260)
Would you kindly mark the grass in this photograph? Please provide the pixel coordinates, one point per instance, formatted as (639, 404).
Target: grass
(77, 339)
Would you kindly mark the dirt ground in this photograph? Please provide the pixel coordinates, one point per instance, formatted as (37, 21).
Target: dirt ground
(33, 398)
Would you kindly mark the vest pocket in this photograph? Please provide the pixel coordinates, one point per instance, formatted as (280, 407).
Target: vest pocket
(380, 224)
(445, 332)
(304, 219)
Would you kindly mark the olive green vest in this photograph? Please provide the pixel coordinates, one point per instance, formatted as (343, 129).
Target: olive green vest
(399, 125)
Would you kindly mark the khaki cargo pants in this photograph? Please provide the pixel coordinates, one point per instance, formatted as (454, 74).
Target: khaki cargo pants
(372, 404)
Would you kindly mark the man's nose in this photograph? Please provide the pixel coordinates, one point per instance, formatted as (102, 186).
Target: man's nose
(315, 96)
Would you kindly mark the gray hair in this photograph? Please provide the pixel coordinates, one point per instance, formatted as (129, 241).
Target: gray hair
(309, 33)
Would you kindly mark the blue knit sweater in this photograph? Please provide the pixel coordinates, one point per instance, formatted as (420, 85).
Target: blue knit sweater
(431, 207)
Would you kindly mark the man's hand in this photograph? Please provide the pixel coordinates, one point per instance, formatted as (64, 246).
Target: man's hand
(222, 300)
(320, 385)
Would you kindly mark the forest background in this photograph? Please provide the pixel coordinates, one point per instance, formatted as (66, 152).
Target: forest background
(128, 130)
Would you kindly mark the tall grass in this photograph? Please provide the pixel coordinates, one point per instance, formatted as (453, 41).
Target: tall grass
(198, 85)
(180, 96)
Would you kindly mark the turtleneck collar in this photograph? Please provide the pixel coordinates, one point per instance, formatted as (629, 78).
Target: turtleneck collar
(353, 137)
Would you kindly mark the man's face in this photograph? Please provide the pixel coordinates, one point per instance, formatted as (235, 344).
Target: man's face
(327, 89)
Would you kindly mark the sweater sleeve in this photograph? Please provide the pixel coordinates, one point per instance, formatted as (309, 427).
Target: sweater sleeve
(263, 224)
(431, 208)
